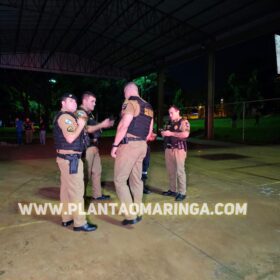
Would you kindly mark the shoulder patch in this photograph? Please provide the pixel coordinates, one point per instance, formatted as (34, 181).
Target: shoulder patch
(185, 125)
(67, 121)
(70, 128)
(148, 112)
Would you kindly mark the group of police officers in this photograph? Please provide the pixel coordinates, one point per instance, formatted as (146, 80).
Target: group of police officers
(76, 132)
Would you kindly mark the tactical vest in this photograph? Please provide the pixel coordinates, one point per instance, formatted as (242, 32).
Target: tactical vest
(140, 125)
(93, 137)
(171, 142)
(60, 142)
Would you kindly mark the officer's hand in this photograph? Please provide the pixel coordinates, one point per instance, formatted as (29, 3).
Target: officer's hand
(114, 152)
(152, 137)
(112, 122)
(166, 133)
(107, 123)
(81, 122)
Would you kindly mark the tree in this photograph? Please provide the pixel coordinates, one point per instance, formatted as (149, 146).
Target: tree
(147, 85)
(178, 100)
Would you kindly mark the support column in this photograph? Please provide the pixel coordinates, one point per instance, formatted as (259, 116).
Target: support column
(211, 93)
(160, 98)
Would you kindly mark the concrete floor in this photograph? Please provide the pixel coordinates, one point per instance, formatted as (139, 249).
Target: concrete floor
(160, 247)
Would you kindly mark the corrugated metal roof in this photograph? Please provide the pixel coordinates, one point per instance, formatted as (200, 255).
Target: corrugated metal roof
(122, 38)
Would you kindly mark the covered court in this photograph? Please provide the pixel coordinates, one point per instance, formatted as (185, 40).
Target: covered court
(125, 39)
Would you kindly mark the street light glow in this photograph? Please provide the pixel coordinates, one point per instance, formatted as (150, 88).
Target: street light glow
(52, 81)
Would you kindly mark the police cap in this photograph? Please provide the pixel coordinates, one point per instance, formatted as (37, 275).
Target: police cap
(68, 95)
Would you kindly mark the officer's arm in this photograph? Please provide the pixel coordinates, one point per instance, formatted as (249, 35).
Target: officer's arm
(185, 130)
(183, 134)
(70, 132)
(105, 124)
(151, 130)
(122, 128)
(93, 128)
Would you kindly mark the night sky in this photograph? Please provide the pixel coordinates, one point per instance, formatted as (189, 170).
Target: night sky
(241, 59)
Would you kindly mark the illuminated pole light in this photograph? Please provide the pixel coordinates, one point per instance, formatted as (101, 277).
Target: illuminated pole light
(52, 81)
(222, 107)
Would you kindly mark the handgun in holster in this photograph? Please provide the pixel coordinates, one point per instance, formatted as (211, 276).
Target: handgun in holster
(73, 162)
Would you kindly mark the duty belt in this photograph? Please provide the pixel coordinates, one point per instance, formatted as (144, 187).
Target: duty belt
(69, 156)
(169, 146)
(134, 139)
(177, 146)
(73, 161)
(125, 140)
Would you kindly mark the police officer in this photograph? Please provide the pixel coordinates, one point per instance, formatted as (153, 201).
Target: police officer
(93, 161)
(129, 149)
(175, 153)
(70, 141)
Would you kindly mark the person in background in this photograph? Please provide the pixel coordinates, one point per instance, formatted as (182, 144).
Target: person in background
(42, 129)
(19, 130)
(29, 129)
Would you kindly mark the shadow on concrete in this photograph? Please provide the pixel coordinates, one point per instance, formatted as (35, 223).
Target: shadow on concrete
(37, 151)
(49, 192)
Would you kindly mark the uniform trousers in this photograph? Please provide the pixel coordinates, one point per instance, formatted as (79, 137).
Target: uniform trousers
(128, 166)
(94, 170)
(71, 192)
(175, 165)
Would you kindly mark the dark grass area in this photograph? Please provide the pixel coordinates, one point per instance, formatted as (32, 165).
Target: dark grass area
(266, 132)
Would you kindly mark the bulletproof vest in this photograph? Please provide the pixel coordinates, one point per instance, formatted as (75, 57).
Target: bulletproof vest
(92, 137)
(140, 125)
(174, 142)
(60, 142)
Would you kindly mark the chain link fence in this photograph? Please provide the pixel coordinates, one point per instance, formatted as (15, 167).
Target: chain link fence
(252, 122)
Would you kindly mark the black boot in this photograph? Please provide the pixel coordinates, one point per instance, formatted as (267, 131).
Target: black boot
(145, 189)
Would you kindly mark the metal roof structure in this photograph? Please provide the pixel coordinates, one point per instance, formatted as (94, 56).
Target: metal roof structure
(124, 38)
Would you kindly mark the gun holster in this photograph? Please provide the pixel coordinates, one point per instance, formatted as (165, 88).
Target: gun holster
(73, 162)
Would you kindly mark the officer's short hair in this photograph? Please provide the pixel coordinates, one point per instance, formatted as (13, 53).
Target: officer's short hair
(87, 94)
(175, 107)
